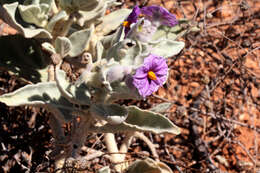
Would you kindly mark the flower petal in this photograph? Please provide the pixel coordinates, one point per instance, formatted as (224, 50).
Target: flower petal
(148, 61)
(142, 85)
(153, 87)
(161, 80)
(141, 73)
(158, 13)
(133, 16)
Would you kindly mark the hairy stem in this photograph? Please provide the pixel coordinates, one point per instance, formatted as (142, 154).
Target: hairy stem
(149, 144)
(79, 133)
(125, 144)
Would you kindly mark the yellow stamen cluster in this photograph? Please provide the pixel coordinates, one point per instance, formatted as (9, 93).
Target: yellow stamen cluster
(141, 15)
(126, 24)
(151, 75)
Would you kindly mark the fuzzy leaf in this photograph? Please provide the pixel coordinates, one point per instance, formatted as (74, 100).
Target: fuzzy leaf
(77, 95)
(41, 94)
(80, 41)
(93, 16)
(148, 166)
(112, 21)
(48, 47)
(75, 5)
(125, 52)
(38, 94)
(8, 13)
(173, 33)
(113, 114)
(62, 46)
(23, 57)
(150, 121)
(122, 91)
(35, 13)
(140, 120)
(161, 108)
(167, 48)
(165, 33)
(55, 20)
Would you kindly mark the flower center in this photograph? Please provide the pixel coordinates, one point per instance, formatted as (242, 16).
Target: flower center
(126, 24)
(151, 75)
(141, 15)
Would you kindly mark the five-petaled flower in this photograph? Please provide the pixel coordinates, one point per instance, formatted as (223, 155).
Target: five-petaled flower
(151, 75)
(146, 20)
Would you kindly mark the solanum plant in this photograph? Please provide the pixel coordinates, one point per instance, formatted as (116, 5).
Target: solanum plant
(122, 55)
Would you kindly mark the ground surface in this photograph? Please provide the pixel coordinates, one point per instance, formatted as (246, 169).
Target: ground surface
(213, 85)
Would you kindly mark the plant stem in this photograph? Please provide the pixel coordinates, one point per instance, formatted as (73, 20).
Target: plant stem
(111, 145)
(148, 142)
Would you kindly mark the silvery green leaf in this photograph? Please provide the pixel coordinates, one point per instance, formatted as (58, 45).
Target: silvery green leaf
(140, 120)
(8, 13)
(62, 83)
(112, 21)
(24, 58)
(38, 94)
(118, 36)
(48, 47)
(122, 91)
(80, 41)
(161, 108)
(164, 32)
(41, 94)
(150, 121)
(36, 13)
(105, 169)
(93, 16)
(173, 33)
(107, 41)
(29, 2)
(125, 52)
(75, 5)
(77, 95)
(55, 20)
(167, 48)
(147, 166)
(113, 114)
(62, 46)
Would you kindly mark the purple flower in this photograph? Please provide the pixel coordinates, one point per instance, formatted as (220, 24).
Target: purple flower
(159, 14)
(132, 18)
(151, 75)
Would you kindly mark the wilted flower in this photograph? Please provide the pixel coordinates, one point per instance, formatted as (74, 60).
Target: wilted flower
(151, 75)
(132, 18)
(143, 30)
(159, 15)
